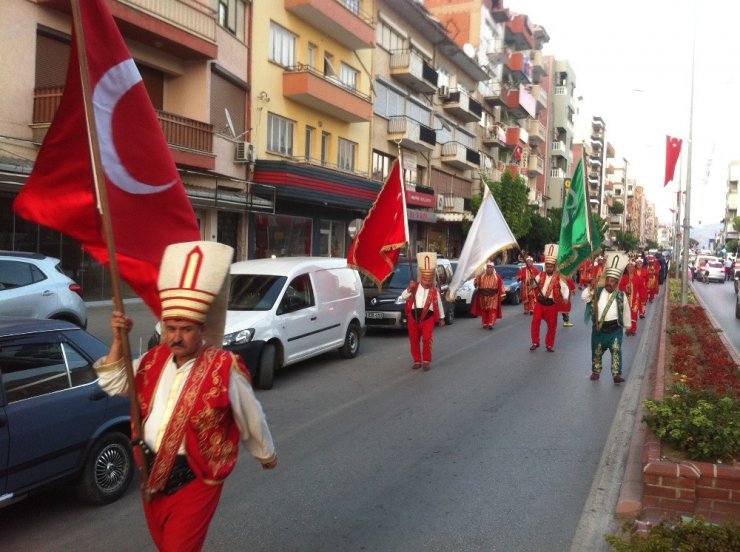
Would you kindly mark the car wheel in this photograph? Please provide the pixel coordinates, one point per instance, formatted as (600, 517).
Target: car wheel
(266, 369)
(351, 342)
(450, 316)
(108, 469)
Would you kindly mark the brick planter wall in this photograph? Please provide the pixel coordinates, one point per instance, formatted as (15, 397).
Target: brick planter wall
(689, 488)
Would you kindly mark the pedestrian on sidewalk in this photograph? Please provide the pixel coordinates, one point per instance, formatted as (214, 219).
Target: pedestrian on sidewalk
(552, 292)
(489, 297)
(610, 312)
(196, 399)
(424, 309)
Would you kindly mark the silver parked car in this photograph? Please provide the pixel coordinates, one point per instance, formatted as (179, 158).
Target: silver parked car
(33, 285)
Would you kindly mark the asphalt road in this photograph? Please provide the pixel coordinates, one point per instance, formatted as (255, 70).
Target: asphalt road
(495, 449)
(720, 300)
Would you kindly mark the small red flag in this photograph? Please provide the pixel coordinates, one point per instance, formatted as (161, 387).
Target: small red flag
(149, 208)
(672, 151)
(377, 246)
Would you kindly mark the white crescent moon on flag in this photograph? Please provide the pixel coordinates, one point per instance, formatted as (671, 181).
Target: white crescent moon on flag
(118, 80)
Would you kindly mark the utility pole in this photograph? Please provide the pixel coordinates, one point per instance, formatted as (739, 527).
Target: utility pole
(687, 214)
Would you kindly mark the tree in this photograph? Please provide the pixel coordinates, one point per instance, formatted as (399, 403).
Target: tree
(511, 196)
(736, 224)
(651, 244)
(617, 208)
(626, 241)
(543, 230)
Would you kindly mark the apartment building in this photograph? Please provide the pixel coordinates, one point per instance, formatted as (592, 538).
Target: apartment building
(561, 129)
(731, 202)
(615, 194)
(595, 167)
(193, 58)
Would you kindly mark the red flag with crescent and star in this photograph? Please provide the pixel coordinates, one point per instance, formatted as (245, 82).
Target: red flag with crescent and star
(672, 151)
(377, 246)
(149, 208)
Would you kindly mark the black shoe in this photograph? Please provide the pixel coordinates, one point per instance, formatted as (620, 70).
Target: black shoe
(534, 346)
(550, 349)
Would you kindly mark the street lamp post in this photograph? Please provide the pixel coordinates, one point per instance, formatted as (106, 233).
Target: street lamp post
(687, 213)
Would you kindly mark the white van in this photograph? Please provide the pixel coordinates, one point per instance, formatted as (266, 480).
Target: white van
(285, 310)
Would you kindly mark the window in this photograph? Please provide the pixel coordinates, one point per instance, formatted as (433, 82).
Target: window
(332, 238)
(346, 158)
(329, 71)
(348, 76)
(312, 49)
(419, 113)
(388, 102)
(388, 38)
(279, 134)
(381, 165)
(351, 5)
(282, 45)
(231, 16)
(282, 236)
(298, 295)
(324, 148)
(308, 151)
(14, 274)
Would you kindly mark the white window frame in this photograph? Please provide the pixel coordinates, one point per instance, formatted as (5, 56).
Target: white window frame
(280, 135)
(349, 76)
(282, 45)
(347, 152)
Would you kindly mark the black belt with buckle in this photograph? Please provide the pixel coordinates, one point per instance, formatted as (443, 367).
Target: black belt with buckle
(181, 475)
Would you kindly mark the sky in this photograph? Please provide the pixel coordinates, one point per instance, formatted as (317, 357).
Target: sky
(633, 66)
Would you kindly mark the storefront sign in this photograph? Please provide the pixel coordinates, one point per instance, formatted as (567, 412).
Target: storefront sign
(422, 200)
(421, 216)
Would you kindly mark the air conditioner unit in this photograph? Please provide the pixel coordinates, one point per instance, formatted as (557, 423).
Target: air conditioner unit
(443, 92)
(244, 152)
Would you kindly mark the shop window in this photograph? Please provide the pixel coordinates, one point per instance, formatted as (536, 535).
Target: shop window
(332, 238)
(282, 236)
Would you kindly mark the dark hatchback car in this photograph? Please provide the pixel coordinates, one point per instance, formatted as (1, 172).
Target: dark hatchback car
(56, 423)
(512, 286)
(384, 307)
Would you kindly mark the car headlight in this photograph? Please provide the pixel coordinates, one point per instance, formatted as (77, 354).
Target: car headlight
(507, 289)
(236, 338)
(400, 300)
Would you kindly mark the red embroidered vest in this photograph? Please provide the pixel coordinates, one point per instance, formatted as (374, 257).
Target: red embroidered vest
(205, 418)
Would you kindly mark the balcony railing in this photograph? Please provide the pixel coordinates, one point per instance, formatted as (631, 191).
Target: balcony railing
(411, 133)
(189, 15)
(179, 131)
(557, 173)
(411, 68)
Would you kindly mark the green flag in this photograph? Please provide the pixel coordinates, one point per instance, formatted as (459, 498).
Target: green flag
(577, 239)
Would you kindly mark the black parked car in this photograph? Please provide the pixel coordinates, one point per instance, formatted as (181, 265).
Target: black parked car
(56, 423)
(385, 308)
(512, 286)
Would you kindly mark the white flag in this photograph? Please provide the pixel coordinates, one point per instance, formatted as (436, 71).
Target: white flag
(488, 235)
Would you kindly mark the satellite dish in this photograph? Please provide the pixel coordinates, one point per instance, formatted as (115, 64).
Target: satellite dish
(469, 50)
(229, 122)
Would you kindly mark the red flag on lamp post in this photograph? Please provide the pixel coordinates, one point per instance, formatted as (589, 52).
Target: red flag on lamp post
(377, 246)
(672, 151)
(149, 208)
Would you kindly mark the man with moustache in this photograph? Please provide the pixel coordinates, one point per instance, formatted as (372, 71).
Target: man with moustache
(528, 291)
(490, 296)
(196, 399)
(552, 294)
(610, 312)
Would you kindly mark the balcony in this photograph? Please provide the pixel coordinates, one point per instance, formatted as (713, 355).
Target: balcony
(184, 29)
(521, 103)
(327, 94)
(458, 103)
(411, 134)
(594, 162)
(537, 131)
(519, 67)
(497, 52)
(191, 141)
(557, 173)
(497, 94)
(495, 136)
(519, 33)
(516, 136)
(540, 95)
(559, 149)
(453, 204)
(459, 156)
(408, 67)
(539, 69)
(536, 165)
(341, 20)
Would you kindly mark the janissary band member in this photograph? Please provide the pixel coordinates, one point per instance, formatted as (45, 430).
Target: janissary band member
(652, 282)
(641, 269)
(552, 292)
(566, 306)
(633, 286)
(610, 313)
(196, 399)
(584, 274)
(489, 297)
(424, 309)
(528, 292)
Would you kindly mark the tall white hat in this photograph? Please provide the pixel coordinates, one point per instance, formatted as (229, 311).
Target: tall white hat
(427, 263)
(616, 262)
(551, 253)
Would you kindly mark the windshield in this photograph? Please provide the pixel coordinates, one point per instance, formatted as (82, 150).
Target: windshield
(507, 272)
(254, 291)
(399, 280)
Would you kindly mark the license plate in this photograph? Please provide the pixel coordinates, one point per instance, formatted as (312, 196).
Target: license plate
(374, 314)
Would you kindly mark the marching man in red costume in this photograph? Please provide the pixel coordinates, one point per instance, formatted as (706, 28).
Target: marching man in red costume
(633, 286)
(526, 277)
(584, 274)
(490, 296)
(552, 292)
(424, 309)
(641, 270)
(653, 270)
(196, 399)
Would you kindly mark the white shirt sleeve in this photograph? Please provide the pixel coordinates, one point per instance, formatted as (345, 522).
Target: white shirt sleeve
(564, 290)
(250, 418)
(626, 312)
(112, 377)
(587, 294)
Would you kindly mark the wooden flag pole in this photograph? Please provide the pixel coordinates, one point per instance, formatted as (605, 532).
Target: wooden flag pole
(103, 206)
